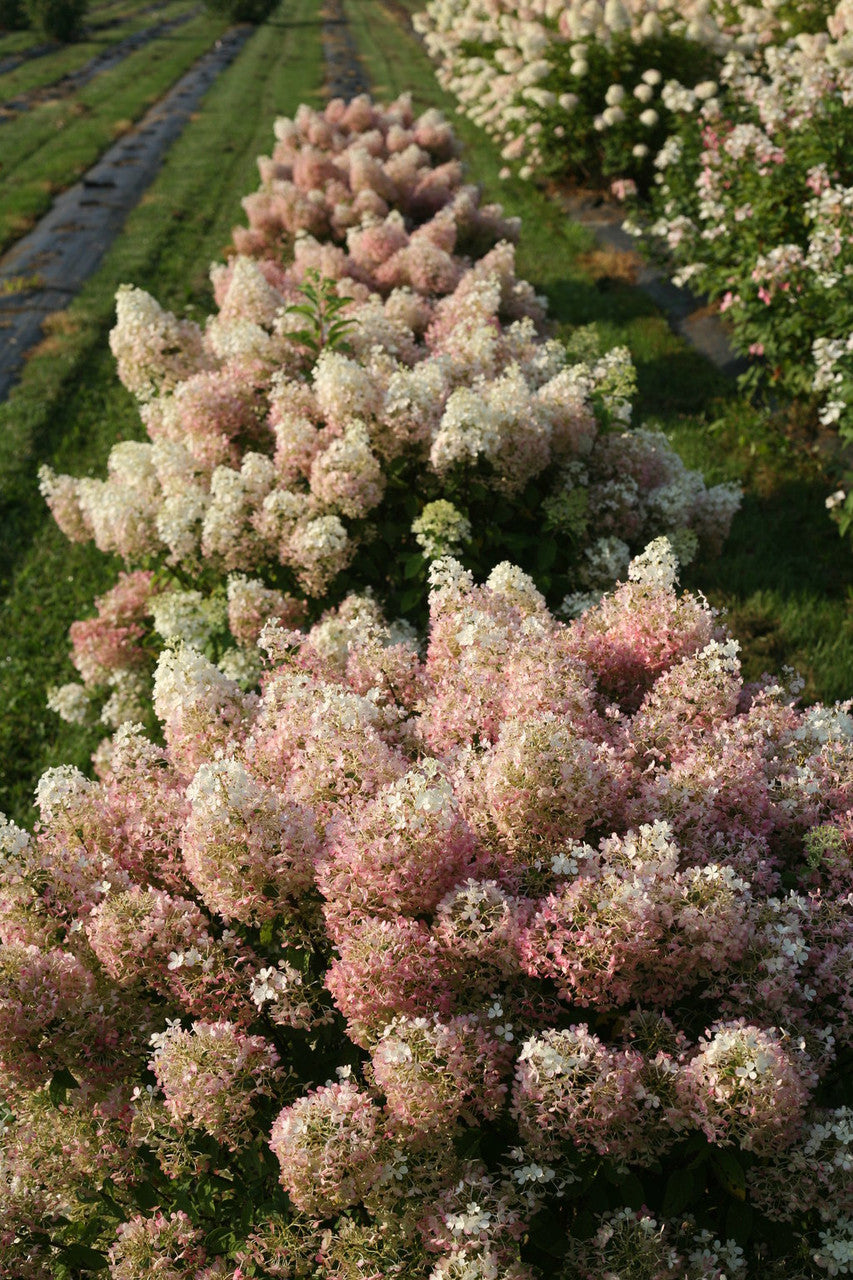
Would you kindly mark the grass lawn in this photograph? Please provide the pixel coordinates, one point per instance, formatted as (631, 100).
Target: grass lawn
(785, 577)
(97, 16)
(70, 408)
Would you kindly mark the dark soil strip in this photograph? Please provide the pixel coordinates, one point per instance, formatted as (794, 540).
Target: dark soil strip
(103, 61)
(345, 76)
(46, 268)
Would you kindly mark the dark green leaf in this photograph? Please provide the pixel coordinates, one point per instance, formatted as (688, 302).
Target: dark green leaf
(60, 1083)
(548, 1234)
(409, 599)
(678, 1193)
(547, 554)
(729, 1172)
(146, 1196)
(83, 1258)
(739, 1222)
(631, 1189)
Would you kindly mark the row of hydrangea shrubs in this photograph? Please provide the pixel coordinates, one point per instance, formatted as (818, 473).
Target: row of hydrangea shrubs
(504, 940)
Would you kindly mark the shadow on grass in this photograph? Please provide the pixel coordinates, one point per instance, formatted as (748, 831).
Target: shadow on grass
(294, 26)
(792, 519)
(678, 381)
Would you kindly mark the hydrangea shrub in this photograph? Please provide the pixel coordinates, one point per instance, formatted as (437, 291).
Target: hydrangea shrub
(754, 206)
(399, 969)
(282, 471)
(583, 89)
(727, 126)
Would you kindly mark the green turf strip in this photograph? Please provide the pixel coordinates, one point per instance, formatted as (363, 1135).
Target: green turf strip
(785, 576)
(15, 42)
(70, 408)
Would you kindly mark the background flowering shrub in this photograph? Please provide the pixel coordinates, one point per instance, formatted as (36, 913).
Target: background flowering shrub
(754, 204)
(734, 120)
(585, 88)
(396, 965)
(443, 419)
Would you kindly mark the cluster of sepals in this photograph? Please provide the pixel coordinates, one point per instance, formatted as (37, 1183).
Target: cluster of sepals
(396, 969)
(376, 388)
(735, 120)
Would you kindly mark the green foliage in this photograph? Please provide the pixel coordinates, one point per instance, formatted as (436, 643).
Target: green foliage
(782, 323)
(12, 15)
(573, 146)
(56, 19)
(253, 11)
(324, 327)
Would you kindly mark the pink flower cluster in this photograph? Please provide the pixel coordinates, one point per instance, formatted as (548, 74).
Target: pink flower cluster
(558, 930)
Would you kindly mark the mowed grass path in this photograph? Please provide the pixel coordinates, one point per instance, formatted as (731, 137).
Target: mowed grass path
(785, 577)
(69, 408)
(45, 150)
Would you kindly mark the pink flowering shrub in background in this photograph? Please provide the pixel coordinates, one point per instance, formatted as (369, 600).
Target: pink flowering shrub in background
(399, 969)
(442, 419)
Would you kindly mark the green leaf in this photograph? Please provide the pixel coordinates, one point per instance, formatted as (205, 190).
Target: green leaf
(548, 1233)
(631, 1188)
(729, 1172)
(413, 565)
(679, 1191)
(547, 554)
(82, 1257)
(61, 1081)
(409, 599)
(146, 1195)
(739, 1222)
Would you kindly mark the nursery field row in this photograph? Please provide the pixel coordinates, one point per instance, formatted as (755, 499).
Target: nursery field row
(48, 266)
(69, 406)
(68, 65)
(21, 46)
(785, 579)
(47, 148)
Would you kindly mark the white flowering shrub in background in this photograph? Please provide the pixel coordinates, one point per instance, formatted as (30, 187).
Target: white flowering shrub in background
(734, 120)
(283, 466)
(754, 205)
(578, 88)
